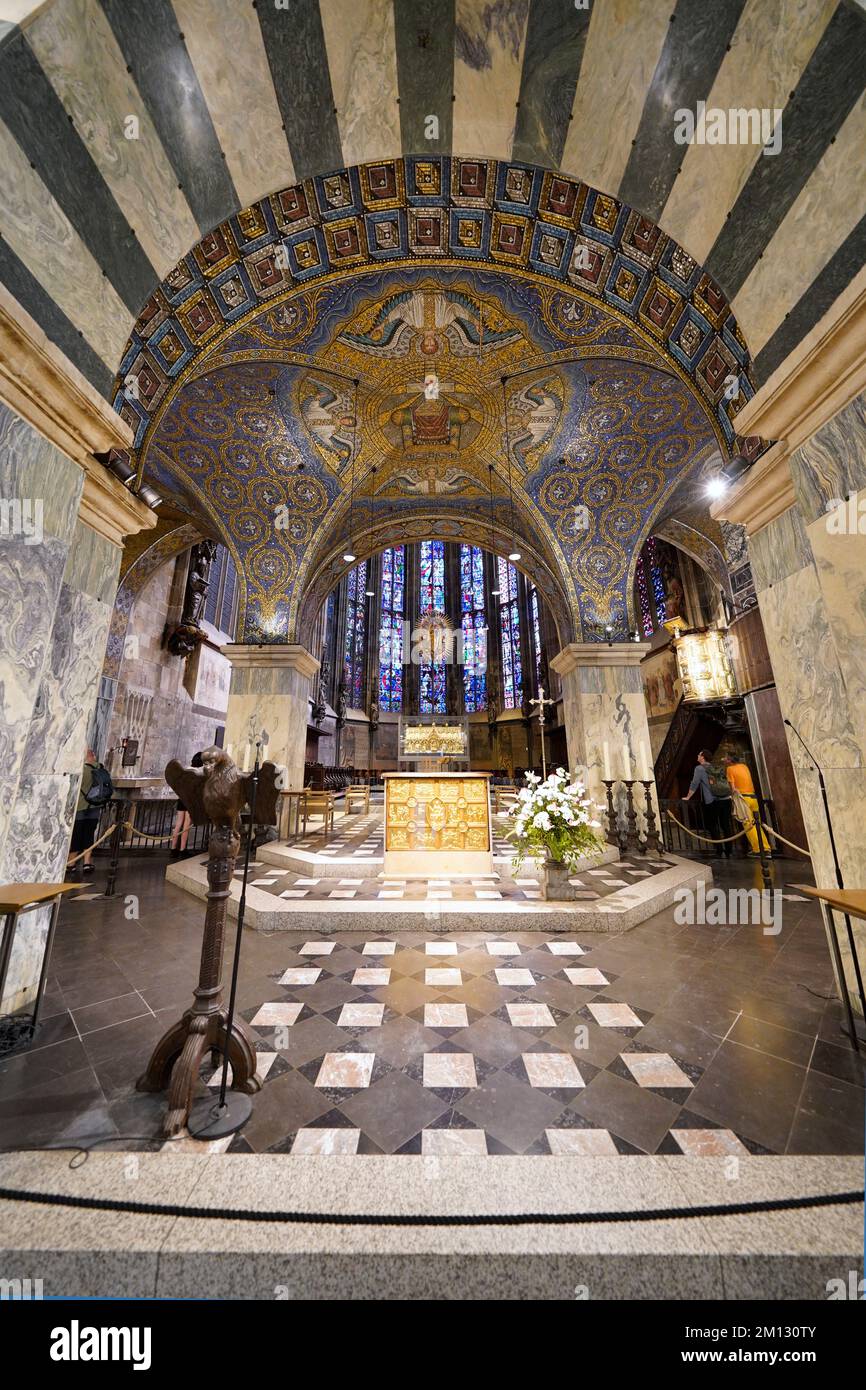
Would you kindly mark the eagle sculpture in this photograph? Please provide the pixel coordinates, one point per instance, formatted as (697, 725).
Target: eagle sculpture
(218, 792)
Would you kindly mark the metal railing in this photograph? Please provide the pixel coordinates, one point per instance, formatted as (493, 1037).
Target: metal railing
(153, 822)
(677, 841)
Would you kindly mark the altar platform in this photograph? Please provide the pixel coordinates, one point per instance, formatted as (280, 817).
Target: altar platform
(335, 881)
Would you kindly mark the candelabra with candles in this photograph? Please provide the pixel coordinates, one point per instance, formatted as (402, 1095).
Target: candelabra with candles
(625, 834)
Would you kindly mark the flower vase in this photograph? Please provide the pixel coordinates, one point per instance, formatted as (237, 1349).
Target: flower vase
(555, 885)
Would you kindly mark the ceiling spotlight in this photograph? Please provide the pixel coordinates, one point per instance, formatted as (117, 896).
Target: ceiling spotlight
(716, 487)
(515, 555)
(349, 557)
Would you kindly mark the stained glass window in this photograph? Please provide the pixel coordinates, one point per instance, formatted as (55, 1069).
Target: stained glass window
(474, 625)
(391, 628)
(651, 588)
(646, 614)
(536, 631)
(509, 633)
(355, 635)
(431, 592)
(657, 581)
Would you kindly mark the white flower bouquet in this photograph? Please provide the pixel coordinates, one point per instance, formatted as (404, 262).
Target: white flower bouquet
(555, 820)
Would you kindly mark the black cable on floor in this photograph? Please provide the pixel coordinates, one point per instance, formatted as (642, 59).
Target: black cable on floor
(322, 1218)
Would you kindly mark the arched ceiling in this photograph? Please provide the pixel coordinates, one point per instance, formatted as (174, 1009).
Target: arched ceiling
(559, 421)
(131, 128)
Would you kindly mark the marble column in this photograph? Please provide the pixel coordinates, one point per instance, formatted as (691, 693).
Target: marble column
(803, 504)
(270, 689)
(63, 520)
(603, 702)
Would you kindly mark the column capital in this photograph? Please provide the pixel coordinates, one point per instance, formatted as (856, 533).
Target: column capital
(763, 493)
(41, 385)
(252, 655)
(598, 654)
(817, 380)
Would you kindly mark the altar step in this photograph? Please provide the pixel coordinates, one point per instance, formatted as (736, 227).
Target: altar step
(290, 855)
(616, 912)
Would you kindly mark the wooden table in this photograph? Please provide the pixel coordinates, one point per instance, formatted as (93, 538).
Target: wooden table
(851, 902)
(15, 900)
(291, 806)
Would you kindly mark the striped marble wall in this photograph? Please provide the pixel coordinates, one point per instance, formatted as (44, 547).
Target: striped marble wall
(226, 103)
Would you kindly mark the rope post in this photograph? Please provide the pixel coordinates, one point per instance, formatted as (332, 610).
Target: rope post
(763, 844)
(123, 810)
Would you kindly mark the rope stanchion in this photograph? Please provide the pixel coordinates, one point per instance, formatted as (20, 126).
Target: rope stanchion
(126, 825)
(695, 836)
(75, 858)
(776, 836)
(328, 1218)
(739, 834)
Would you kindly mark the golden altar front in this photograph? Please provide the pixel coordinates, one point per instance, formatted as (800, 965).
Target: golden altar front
(437, 823)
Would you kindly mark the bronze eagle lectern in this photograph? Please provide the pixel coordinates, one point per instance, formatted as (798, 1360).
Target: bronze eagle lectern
(215, 792)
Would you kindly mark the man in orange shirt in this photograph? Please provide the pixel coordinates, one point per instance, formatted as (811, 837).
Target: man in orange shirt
(740, 779)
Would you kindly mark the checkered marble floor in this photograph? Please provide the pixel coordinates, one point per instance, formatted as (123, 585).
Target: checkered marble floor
(358, 836)
(359, 839)
(469, 1044)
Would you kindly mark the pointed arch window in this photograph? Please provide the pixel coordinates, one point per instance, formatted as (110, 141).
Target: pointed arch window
(474, 628)
(509, 636)
(535, 616)
(354, 646)
(431, 592)
(391, 616)
(650, 585)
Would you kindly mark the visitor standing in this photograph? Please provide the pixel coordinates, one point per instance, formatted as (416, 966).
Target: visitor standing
(740, 778)
(94, 794)
(715, 792)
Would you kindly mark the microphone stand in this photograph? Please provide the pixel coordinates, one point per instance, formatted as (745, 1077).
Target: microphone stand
(840, 883)
(231, 1112)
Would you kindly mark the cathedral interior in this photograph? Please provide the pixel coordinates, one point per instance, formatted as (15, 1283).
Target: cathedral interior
(401, 401)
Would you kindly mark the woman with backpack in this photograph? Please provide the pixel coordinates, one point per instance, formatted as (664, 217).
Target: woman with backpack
(94, 794)
(715, 802)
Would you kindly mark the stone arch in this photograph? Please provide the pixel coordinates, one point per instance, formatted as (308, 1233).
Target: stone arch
(328, 566)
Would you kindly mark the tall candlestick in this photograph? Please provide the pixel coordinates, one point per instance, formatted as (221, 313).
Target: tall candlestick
(644, 764)
(605, 751)
(626, 763)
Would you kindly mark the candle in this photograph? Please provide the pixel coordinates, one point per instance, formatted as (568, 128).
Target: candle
(644, 764)
(606, 759)
(626, 763)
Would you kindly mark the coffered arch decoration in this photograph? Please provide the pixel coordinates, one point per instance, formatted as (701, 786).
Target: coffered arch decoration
(436, 211)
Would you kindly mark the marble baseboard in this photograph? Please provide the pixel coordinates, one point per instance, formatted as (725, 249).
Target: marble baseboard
(35, 850)
(773, 1256)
